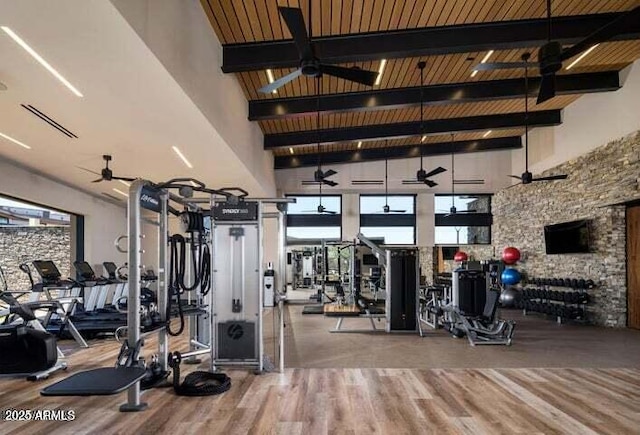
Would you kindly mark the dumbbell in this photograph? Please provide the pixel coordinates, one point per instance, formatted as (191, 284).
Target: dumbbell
(590, 284)
(557, 296)
(574, 283)
(554, 282)
(582, 284)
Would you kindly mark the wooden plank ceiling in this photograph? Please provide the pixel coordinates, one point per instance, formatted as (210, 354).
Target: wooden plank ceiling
(258, 20)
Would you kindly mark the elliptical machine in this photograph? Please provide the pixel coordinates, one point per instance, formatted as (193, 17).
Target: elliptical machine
(28, 350)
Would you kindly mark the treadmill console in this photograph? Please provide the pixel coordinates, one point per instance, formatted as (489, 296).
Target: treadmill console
(84, 270)
(47, 271)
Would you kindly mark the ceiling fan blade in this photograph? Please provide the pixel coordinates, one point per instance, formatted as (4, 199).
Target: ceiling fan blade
(430, 183)
(295, 22)
(98, 180)
(352, 74)
(603, 34)
(411, 182)
(436, 171)
(329, 173)
(267, 89)
(498, 65)
(124, 179)
(329, 212)
(329, 183)
(551, 178)
(515, 176)
(467, 211)
(547, 88)
(397, 211)
(89, 170)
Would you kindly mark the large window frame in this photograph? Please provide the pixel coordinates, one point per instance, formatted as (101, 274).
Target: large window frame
(310, 220)
(484, 220)
(389, 220)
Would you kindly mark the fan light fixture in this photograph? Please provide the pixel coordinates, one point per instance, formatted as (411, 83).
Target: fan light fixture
(15, 141)
(40, 60)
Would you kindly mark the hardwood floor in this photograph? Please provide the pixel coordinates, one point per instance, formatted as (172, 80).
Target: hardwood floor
(352, 401)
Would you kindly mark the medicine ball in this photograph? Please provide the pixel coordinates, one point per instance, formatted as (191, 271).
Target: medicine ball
(510, 255)
(510, 276)
(460, 256)
(509, 298)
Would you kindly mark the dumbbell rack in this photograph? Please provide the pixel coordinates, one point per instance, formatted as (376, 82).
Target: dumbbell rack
(551, 297)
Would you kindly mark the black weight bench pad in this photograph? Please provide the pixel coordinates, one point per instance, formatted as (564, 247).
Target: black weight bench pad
(313, 309)
(98, 382)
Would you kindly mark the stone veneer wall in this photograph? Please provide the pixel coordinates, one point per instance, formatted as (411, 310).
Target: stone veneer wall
(475, 252)
(25, 244)
(605, 176)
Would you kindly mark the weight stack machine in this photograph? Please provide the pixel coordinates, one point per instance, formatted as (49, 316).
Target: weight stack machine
(237, 285)
(402, 290)
(469, 291)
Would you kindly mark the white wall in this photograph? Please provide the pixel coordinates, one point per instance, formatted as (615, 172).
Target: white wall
(181, 37)
(103, 220)
(591, 121)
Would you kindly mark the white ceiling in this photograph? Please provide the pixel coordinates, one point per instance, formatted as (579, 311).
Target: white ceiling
(132, 107)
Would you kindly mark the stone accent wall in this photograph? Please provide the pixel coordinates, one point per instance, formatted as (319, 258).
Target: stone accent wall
(605, 176)
(475, 252)
(25, 244)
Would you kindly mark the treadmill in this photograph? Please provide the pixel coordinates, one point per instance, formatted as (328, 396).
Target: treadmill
(89, 324)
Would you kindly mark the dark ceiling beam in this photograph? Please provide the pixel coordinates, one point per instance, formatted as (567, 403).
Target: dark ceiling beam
(404, 129)
(398, 152)
(427, 41)
(386, 99)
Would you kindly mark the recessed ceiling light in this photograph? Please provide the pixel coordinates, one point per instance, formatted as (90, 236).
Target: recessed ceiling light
(121, 192)
(423, 138)
(487, 133)
(15, 141)
(383, 64)
(484, 60)
(291, 150)
(184, 159)
(41, 60)
(582, 56)
(359, 144)
(271, 80)
(126, 183)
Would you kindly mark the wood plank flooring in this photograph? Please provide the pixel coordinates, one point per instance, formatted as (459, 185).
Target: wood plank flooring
(353, 401)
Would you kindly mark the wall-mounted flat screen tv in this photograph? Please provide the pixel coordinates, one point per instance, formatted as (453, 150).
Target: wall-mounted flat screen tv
(567, 237)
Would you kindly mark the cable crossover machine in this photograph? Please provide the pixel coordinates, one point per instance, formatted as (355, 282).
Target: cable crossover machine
(213, 278)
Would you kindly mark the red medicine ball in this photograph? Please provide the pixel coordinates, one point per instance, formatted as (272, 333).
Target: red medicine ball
(510, 255)
(460, 256)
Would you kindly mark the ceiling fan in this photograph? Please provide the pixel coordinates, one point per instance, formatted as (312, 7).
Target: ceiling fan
(422, 176)
(527, 177)
(551, 54)
(106, 174)
(320, 176)
(386, 209)
(321, 208)
(310, 65)
(453, 210)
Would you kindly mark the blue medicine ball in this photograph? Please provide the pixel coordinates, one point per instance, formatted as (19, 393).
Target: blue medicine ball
(510, 276)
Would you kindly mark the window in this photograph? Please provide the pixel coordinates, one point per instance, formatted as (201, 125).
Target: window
(306, 224)
(469, 225)
(397, 226)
